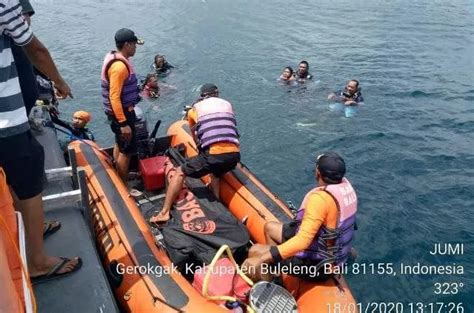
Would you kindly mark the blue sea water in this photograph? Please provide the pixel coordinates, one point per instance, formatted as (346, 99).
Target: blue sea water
(409, 149)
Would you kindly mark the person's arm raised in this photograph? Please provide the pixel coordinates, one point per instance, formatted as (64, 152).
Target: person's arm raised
(41, 59)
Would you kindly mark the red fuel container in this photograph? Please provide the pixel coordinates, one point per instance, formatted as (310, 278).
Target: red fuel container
(153, 172)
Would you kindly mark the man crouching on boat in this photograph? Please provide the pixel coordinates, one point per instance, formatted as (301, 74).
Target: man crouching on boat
(320, 234)
(214, 129)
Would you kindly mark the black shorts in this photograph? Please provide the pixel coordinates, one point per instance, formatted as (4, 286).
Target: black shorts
(125, 146)
(205, 163)
(23, 164)
(305, 269)
(288, 230)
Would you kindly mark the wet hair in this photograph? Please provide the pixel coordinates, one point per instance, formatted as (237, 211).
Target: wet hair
(305, 62)
(356, 81)
(159, 56)
(147, 78)
(289, 68)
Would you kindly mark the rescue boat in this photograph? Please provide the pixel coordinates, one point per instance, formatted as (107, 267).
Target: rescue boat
(17, 295)
(133, 252)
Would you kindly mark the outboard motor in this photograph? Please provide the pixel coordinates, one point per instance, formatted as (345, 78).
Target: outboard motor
(141, 129)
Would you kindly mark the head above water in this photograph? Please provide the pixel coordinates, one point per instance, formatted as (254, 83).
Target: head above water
(209, 90)
(126, 41)
(159, 60)
(80, 119)
(287, 73)
(330, 167)
(352, 86)
(303, 67)
(151, 81)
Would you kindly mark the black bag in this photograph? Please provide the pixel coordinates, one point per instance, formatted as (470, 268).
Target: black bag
(199, 226)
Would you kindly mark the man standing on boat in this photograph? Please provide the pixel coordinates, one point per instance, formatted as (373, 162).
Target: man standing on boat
(320, 234)
(214, 129)
(21, 156)
(120, 94)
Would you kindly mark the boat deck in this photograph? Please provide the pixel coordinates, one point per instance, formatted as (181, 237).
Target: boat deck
(86, 290)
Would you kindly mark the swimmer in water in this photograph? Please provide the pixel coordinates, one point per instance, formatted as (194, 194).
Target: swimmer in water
(350, 96)
(302, 74)
(161, 66)
(287, 75)
(151, 90)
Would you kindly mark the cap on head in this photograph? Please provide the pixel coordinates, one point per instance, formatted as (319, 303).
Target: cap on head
(82, 115)
(208, 89)
(127, 35)
(331, 167)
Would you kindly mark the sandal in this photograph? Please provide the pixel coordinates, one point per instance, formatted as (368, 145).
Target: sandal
(50, 227)
(53, 272)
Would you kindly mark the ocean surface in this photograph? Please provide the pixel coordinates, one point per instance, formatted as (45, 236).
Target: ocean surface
(409, 149)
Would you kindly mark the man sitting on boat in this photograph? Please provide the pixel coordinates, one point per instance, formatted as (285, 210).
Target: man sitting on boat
(320, 234)
(120, 94)
(214, 129)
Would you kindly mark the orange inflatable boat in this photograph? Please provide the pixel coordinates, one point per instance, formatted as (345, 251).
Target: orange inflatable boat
(139, 266)
(15, 296)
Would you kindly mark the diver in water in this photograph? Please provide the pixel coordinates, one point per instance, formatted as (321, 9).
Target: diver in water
(350, 96)
(302, 74)
(151, 89)
(161, 66)
(77, 130)
(77, 126)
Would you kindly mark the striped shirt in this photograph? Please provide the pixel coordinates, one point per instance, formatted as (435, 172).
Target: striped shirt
(13, 28)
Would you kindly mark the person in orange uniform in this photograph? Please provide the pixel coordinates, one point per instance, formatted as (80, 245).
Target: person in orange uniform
(214, 129)
(120, 94)
(320, 234)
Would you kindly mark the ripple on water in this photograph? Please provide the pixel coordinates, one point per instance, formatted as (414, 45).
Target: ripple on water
(409, 149)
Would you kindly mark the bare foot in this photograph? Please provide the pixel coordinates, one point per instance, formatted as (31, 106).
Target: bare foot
(160, 217)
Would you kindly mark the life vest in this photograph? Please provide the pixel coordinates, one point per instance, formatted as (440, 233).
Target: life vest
(130, 91)
(215, 122)
(333, 245)
(298, 76)
(356, 97)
